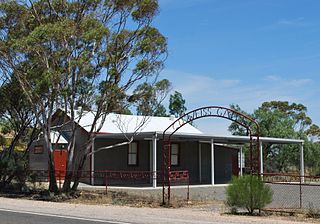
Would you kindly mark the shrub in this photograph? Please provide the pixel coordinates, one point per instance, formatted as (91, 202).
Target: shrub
(13, 170)
(248, 192)
(2, 141)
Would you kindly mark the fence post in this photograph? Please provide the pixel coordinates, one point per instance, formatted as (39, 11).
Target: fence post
(106, 183)
(300, 185)
(188, 193)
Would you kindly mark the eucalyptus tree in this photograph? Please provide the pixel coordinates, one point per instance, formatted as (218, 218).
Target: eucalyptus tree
(279, 119)
(71, 53)
(17, 117)
(149, 97)
(177, 104)
(17, 120)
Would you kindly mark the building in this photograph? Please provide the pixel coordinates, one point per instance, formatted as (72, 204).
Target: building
(209, 159)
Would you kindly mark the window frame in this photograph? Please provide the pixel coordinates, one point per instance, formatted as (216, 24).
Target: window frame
(130, 153)
(178, 154)
(38, 149)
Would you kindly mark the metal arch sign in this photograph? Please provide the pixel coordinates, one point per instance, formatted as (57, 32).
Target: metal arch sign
(203, 112)
(212, 111)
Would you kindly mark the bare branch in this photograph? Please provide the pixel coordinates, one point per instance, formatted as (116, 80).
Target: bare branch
(111, 146)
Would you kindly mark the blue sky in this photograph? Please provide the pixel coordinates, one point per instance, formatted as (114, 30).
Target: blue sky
(243, 52)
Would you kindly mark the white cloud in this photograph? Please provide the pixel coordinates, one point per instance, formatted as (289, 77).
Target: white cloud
(180, 4)
(194, 84)
(292, 22)
(203, 90)
(300, 82)
(272, 78)
(288, 23)
(289, 82)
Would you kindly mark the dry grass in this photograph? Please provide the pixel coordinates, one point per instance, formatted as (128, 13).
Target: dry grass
(312, 212)
(131, 199)
(114, 197)
(125, 199)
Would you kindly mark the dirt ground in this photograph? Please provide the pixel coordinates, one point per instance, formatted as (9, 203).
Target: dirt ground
(119, 206)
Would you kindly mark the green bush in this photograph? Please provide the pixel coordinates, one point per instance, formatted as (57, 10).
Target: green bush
(248, 192)
(13, 170)
(2, 141)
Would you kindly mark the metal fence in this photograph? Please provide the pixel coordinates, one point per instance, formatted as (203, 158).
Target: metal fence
(291, 191)
(109, 178)
(99, 178)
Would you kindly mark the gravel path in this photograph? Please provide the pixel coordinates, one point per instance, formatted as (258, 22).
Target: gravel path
(135, 215)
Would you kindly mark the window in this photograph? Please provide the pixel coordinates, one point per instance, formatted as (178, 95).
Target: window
(59, 146)
(133, 154)
(174, 154)
(38, 149)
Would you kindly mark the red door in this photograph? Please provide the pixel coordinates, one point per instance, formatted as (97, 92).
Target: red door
(60, 163)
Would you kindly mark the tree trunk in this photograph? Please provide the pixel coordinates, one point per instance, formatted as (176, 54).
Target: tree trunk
(79, 172)
(67, 181)
(70, 168)
(53, 187)
(79, 168)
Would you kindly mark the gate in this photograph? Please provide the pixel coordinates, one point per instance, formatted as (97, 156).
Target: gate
(203, 112)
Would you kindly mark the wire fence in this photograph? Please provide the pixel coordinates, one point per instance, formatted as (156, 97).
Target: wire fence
(291, 191)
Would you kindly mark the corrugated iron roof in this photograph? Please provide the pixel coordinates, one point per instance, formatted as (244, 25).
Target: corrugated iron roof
(232, 139)
(117, 124)
(120, 123)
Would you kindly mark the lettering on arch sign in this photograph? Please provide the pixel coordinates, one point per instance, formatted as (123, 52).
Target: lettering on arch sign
(211, 111)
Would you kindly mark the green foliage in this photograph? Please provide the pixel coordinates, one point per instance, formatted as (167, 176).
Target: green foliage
(313, 131)
(160, 111)
(276, 119)
(17, 116)
(248, 192)
(66, 54)
(177, 104)
(2, 141)
(148, 98)
(280, 120)
(62, 51)
(13, 170)
(312, 157)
